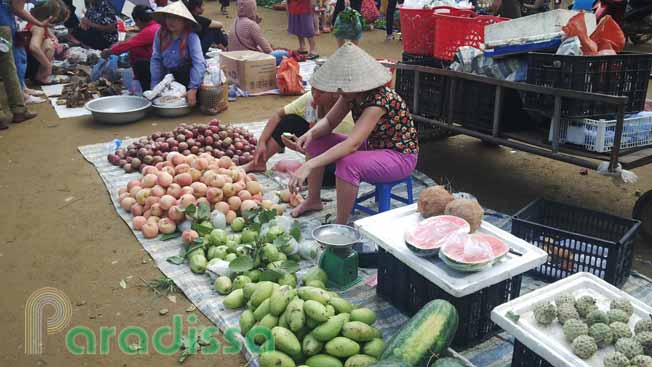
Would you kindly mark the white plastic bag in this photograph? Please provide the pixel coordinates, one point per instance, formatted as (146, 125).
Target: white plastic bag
(173, 94)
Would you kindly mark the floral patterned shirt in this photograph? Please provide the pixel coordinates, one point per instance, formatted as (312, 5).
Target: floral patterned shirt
(396, 129)
(103, 13)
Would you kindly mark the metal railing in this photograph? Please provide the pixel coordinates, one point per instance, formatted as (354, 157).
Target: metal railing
(618, 103)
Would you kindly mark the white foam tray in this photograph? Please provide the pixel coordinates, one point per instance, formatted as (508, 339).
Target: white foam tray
(548, 341)
(388, 231)
(533, 28)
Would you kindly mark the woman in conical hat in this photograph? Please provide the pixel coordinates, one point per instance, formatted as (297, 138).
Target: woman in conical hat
(177, 49)
(383, 146)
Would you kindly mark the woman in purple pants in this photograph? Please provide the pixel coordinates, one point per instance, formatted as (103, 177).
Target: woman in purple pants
(383, 145)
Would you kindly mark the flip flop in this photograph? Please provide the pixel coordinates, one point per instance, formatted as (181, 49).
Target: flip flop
(312, 56)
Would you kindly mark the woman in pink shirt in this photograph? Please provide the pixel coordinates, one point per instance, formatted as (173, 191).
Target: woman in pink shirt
(245, 33)
(138, 46)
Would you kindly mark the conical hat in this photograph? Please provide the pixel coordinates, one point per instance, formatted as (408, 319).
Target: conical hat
(176, 8)
(350, 70)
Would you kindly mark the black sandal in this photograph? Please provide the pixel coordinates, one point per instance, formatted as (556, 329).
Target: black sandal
(312, 56)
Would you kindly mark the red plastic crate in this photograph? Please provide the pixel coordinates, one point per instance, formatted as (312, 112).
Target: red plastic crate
(451, 32)
(416, 26)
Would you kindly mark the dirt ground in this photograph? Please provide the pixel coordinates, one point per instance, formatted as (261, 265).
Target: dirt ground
(58, 228)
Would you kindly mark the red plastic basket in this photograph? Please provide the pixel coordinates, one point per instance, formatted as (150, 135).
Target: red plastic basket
(416, 26)
(451, 32)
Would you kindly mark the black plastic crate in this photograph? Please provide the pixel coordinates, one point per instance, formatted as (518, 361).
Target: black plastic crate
(475, 102)
(624, 74)
(578, 240)
(524, 357)
(409, 291)
(431, 87)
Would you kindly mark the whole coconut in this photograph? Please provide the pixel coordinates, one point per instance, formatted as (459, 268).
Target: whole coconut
(433, 201)
(466, 209)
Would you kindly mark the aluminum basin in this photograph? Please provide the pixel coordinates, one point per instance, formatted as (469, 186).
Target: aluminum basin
(118, 109)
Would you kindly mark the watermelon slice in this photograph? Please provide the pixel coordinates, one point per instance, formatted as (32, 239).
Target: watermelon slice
(427, 237)
(472, 252)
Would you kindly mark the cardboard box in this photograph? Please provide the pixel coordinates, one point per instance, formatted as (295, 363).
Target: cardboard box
(252, 71)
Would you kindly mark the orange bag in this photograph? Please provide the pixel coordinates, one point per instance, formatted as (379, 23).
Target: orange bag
(288, 78)
(608, 36)
(577, 27)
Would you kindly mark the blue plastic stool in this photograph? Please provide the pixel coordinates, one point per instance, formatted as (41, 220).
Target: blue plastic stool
(383, 196)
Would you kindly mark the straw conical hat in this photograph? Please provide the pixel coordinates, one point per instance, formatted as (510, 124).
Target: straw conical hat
(176, 8)
(350, 70)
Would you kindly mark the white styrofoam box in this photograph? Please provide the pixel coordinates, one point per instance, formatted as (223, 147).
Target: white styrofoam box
(388, 231)
(598, 135)
(548, 341)
(538, 27)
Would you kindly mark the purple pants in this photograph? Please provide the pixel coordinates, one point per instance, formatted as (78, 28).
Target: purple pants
(373, 166)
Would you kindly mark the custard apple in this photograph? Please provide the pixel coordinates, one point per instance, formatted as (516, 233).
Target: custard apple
(567, 311)
(584, 346)
(545, 313)
(629, 347)
(643, 325)
(564, 298)
(645, 339)
(624, 305)
(602, 334)
(616, 359)
(574, 328)
(620, 330)
(584, 305)
(617, 315)
(641, 361)
(597, 316)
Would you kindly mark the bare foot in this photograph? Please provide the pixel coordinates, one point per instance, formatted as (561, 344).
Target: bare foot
(307, 206)
(252, 167)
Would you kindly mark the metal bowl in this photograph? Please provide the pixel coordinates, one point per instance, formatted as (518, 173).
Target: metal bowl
(336, 235)
(118, 109)
(172, 111)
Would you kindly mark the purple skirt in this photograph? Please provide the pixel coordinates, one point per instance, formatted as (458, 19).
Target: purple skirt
(301, 25)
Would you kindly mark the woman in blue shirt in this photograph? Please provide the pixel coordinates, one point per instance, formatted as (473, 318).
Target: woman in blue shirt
(177, 50)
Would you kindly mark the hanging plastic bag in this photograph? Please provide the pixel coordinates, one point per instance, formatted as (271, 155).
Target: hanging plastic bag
(288, 78)
(348, 25)
(608, 36)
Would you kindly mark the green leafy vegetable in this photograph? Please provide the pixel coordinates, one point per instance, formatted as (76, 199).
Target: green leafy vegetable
(295, 230)
(169, 236)
(241, 264)
(270, 275)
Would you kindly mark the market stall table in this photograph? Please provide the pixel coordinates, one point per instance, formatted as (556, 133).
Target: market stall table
(413, 280)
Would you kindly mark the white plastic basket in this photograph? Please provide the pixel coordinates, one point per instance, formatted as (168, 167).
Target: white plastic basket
(598, 135)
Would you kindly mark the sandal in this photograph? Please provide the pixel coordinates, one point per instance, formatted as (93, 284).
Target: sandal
(302, 52)
(312, 56)
(27, 115)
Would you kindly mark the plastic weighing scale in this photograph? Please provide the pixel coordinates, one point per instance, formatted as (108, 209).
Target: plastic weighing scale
(339, 260)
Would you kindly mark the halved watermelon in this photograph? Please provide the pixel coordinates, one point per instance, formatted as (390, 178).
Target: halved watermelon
(426, 238)
(472, 252)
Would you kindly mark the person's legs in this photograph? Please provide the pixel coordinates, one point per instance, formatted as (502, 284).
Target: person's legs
(389, 17)
(375, 166)
(346, 194)
(313, 46)
(20, 59)
(142, 73)
(302, 44)
(15, 104)
(293, 124)
(91, 38)
(316, 177)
